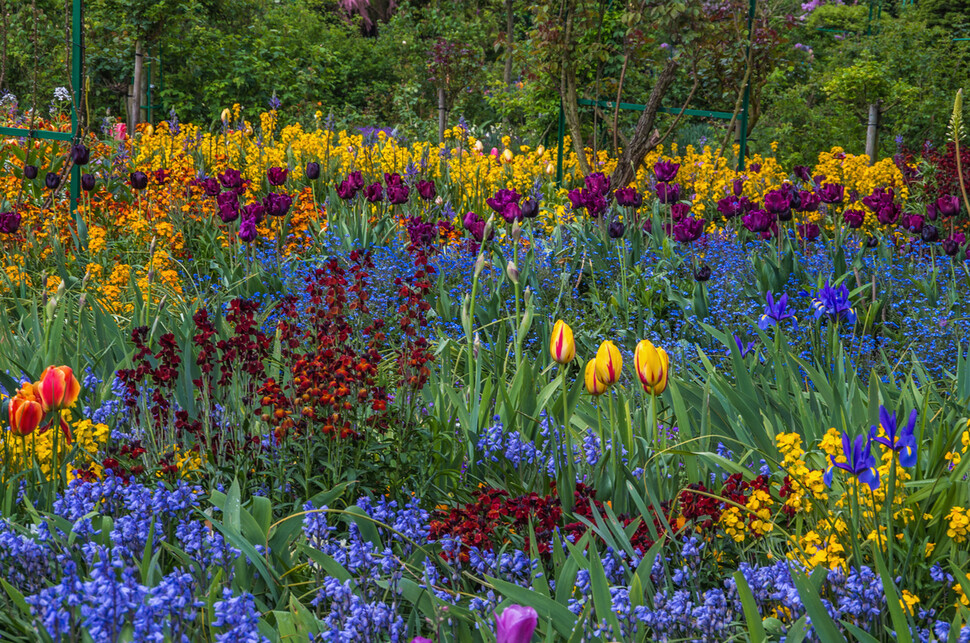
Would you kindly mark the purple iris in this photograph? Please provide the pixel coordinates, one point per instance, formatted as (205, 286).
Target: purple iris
(833, 303)
(859, 462)
(901, 440)
(744, 348)
(666, 171)
(775, 311)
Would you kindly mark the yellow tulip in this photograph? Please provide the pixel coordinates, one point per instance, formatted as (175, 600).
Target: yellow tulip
(609, 363)
(593, 385)
(562, 347)
(507, 155)
(652, 366)
(226, 115)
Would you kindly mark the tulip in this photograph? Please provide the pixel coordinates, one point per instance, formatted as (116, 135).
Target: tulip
(210, 186)
(562, 346)
(597, 183)
(808, 231)
(507, 155)
(616, 229)
(689, 230)
(346, 190)
(512, 271)
(87, 182)
(854, 218)
(652, 366)
(703, 273)
(52, 181)
(9, 222)
(312, 170)
(666, 171)
(231, 179)
(668, 192)
(277, 205)
(356, 179)
(593, 384)
(58, 388)
(119, 131)
(872, 242)
(777, 202)
(228, 203)
(948, 206)
(609, 363)
(737, 187)
(832, 193)
(80, 154)
(628, 197)
(397, 193)
(374, 193)
(516, 624)
(254, 211)
(139, 180)
(277, 175)
(25, 416)
(161, 176)
(529, 208)
(679, 211)
(247, 230)
(427, 190)
(226, 115)
(421, 639)
(757, 221)
(803, 173)
(755, 168)
(30, 172)
(929, 233)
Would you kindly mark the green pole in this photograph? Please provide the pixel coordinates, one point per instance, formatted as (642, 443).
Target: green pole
(747, 91)
(77, 63)
(562, 135)
(152, 122)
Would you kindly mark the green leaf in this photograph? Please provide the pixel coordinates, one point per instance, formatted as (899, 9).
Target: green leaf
(756, 629)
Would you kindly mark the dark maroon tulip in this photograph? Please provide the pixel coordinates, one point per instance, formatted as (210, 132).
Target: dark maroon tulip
(374, 192)
(598, 183)
(596, 205)
(854, 218)
(803, 173)
(427, 190)
(228, 203)
(757, 221)
(689, 230)
(628, 197)
(80, 154)
(952, 244)
(30, 172)
(888, 214)
(818, 179)
(666, 171)
(679, 211)
(346, 190)
(393, 179)
(312, 170)
(139, 180)
(648, 226)
(703, 273)
(755, 167)
(931, 212)
(729, 207)
(87, 182)
(616, 229)
(529, 208)
(277, 205)
(778, 203)
(948, 206)
(52, 181)
(668, 192)
(254, 211)
(397, 193)
(211, 187)
(231, 179)
(577, 198)
(737, 186)
(247, 230)
(914, 223)
(808, 201)
(929, 233)
(9, 222)
(832, 193)
(356, 180)
(277, 175)
(808, 231)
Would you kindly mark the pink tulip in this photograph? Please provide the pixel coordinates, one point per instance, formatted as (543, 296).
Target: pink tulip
(120, 131)
(495, 152)
(516, 624)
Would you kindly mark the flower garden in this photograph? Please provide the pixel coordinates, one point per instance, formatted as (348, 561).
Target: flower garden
(286, 383)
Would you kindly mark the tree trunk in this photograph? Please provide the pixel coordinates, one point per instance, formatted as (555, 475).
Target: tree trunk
(510, 36)
(134, 112)
(567, 92)
(442, 115)
(642, 141)
(872, 132)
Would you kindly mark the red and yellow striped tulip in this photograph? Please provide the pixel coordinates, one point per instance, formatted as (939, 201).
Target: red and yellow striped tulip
(562, 346)
(652, 366)
(58, 388)
(609, 363)
(25, 416)
(593, 384)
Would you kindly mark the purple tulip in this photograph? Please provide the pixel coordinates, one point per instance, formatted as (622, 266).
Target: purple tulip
(808, 231)
(52, 181)
(356, 179)
(948, 206)
(312, 170)
(397, 193)
(737, 187)
(247, 230)
(666, 171)
(80, 154)
(931, 212)
(888, 214)
(668, 192)
(254, 211)
(703, 273)
(228, 203)
(393, 179)
(421, 639)
(914, 223)
(779, 204)
(628, 197)
(577, 198)
(346, 190)
(818, 179)
(277, 175)
(755, 168)
(516, 624)
(928, 233)
(689, 230)
(9, 222)
(87, 182)
(729, 207)
(374, 193)
(952, 244)
(427, 190)
(757, 221)
(854, 218)
(808, 201)
(277, 205)
(679, 211)
(30, 172)
(231, 179)
(598, 183)
(211, 187)
(803, 173)
(616, 229)
(832, 193)
(529, 208)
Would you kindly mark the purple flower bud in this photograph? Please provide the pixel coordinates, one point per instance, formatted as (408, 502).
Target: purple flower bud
(52, 181)
(616, 229)
(516, 624)
(931, 212)
(80, 155)
(529, 208)
(87, 182)
(139, 180)
(30, 172)
(738, 186)
(914, 223)
(277, 175)
(703, 273)
(729, 207)
(312, 170)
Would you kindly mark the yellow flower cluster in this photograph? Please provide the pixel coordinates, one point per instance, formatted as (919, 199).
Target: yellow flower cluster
(815, 550)
(808, 485)
(733, 523)
(959, 524)
(20, 454)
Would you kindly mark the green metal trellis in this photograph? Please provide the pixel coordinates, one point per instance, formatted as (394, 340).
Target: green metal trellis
(77, 61)
(742, 116)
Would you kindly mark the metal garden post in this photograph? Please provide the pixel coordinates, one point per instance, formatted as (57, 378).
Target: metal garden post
(562, 135)
(742, 152)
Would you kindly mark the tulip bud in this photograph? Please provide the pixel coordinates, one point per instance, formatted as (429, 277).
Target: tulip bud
(489, 226)
(703, 273)
(479, 264)
(562, 346)
(478, 147)
(58, 388)
(540, 150)
(549, 169)
(476, 346)
(139, 180)
(226, 116)
(593, 385)
(507, 155)
(312, 170)
(25, 416)
(30, 172)
(512, 272)
(52, 181)
(609, 363)
(652, 365)
(87, 182)
(516, 231)
(80, 154)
